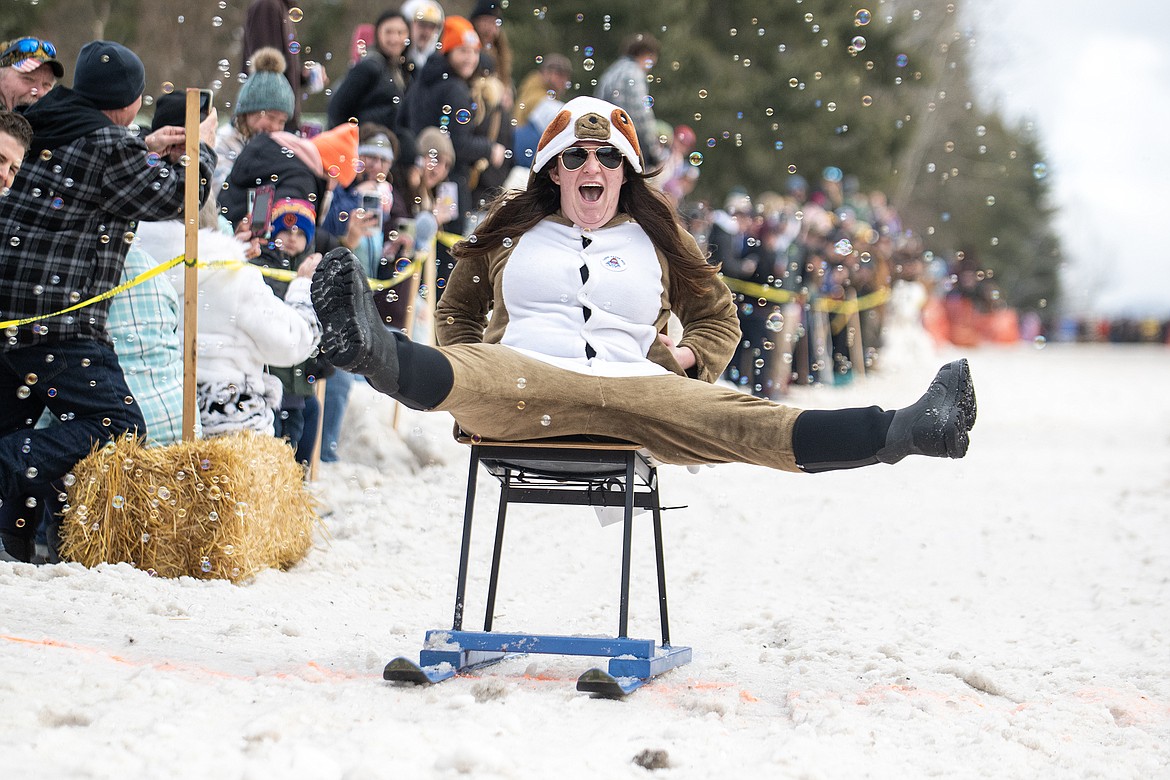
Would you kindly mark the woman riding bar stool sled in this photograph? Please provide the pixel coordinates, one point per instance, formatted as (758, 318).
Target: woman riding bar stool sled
(580, 273)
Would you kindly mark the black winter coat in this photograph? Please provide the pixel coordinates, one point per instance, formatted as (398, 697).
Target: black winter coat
(369, 93)
(259, 161)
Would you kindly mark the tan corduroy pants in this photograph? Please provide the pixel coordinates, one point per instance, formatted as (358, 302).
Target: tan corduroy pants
(501, 394)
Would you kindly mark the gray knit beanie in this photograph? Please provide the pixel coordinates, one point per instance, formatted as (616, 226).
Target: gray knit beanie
(266, 89)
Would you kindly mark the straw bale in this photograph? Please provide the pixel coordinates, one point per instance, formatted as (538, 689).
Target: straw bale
(219, 508)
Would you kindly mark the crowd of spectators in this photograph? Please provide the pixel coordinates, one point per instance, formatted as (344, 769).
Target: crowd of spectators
(431, 119)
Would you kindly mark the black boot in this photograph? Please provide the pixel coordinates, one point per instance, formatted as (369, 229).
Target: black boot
(938, 423)
(353, 336)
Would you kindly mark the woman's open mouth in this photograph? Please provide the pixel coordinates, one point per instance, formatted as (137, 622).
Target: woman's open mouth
(591, 193)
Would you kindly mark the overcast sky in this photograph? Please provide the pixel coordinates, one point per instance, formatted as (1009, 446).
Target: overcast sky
(1095, 78)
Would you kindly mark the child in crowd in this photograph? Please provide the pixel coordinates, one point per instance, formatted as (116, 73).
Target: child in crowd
(290, 248)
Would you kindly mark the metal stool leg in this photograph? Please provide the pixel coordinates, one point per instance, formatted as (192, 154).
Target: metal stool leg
(627, 542)
(505, 486)
(665, 620)
(465, 549)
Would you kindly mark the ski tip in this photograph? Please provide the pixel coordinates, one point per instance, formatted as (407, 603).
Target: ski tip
(406, 670)
(601, 683)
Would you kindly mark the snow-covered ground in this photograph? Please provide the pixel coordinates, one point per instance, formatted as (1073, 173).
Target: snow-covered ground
(1001, 616)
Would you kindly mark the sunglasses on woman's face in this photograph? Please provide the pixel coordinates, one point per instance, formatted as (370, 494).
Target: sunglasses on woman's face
(30, 46)
(575, 156)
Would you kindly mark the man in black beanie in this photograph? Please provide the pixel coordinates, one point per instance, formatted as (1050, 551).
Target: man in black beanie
(65, 228)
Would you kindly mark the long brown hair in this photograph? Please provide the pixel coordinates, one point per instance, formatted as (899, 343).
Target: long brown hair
(514, 213)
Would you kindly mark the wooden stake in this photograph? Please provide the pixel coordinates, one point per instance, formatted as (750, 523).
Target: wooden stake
(190, 272)
(315, 458)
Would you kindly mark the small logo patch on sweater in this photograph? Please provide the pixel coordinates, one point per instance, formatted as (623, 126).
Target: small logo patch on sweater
(614, 263)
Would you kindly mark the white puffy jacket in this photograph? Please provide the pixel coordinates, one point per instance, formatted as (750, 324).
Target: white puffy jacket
(242, 326)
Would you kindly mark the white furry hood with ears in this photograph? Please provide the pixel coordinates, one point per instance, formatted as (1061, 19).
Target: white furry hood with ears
(589, 119)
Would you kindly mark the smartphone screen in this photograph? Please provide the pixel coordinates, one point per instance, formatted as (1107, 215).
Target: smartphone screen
(372, 204)
(262, 202)
(204, 103)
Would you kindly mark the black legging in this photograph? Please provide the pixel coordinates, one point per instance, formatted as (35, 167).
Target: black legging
(425, 377)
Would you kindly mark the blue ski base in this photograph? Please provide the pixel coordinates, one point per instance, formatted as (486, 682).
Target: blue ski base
(633, 662)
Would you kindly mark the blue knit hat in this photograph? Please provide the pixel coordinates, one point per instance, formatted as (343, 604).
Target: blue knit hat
(290, 213)
(109, 75)
(266, 89)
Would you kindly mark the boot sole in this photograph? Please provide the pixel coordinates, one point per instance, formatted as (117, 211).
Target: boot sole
(960, 399)
(337, 290)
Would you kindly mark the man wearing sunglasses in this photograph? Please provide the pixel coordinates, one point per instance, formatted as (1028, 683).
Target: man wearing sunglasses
(28, 70)
(580, 273)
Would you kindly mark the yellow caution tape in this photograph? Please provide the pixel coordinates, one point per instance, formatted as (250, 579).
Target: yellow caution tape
(279, 274)
(773, 295)
(137, 280)
(448, 239)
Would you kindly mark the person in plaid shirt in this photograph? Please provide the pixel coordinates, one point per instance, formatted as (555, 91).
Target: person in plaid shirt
(66, 225)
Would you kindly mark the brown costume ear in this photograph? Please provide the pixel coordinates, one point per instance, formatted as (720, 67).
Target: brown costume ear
(559, 123)
(621, 120)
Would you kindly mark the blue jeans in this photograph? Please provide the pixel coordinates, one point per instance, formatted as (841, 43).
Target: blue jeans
(337, 388)
(297, 422)
(81, 384)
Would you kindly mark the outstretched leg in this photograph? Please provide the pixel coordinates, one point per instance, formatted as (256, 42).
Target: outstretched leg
(937, 425)
(354, 339)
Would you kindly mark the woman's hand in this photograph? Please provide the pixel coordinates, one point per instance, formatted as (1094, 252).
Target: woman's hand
(208, 127)
(308, 266)
(684, 355)
(361, 223)
(497, 155)
(244, 235)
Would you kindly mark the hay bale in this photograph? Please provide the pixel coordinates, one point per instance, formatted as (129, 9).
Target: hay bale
(220, 508)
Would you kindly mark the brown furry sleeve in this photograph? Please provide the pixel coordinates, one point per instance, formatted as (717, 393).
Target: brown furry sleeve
(462, 313)
(710, 327)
